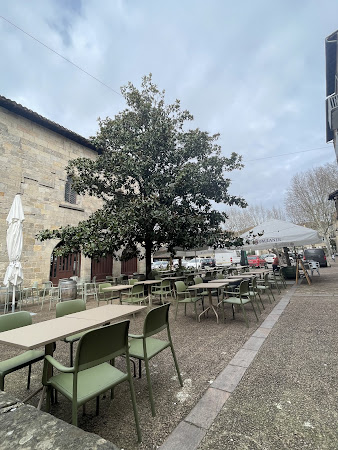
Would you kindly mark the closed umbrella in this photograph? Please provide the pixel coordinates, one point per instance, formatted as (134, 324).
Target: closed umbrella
(244, 258)
(14, 273)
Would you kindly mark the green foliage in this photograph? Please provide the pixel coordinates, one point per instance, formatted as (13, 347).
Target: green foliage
(158, 181)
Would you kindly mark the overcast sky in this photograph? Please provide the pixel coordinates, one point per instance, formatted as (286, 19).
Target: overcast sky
(252, 70)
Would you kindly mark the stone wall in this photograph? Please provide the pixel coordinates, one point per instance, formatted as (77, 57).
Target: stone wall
(32, 162)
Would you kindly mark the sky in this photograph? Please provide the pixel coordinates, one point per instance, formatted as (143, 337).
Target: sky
(253, 71)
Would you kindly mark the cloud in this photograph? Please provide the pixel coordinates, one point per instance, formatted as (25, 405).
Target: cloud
(253, 71)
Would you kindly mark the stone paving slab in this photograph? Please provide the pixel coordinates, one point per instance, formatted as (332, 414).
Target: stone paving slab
(206, 410)
(191, 431)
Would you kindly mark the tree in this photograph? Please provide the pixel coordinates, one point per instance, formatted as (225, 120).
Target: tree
(306, 200)
(240, 220)
(157, 179)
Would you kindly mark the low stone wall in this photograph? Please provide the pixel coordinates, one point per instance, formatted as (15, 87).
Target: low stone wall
(23, 426)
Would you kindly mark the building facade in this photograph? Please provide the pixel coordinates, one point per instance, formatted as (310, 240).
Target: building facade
(34, 153)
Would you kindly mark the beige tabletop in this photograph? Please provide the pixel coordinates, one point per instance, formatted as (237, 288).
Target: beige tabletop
(210, 285)
(148, 282)
(43, 333)
(118, 287)
(228, 280)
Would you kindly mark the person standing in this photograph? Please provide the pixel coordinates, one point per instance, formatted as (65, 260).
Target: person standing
(275, 263)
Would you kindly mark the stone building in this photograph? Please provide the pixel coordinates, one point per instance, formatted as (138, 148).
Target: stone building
(34, 152)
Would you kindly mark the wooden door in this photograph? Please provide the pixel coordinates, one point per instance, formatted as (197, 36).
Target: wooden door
(102, 268)
(64, 267)
(129, 267)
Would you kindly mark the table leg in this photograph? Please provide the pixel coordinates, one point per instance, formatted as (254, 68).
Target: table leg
(211, 306)
(49, 349)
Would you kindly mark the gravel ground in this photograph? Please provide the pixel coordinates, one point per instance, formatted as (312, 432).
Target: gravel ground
(288, 398)
(203, 350)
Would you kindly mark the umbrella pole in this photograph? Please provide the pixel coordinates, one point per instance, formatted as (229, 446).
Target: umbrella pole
(13, 299)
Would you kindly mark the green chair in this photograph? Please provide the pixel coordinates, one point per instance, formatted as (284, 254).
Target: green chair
(92, 373)
(253, 292)
(162, 290)
(241, 298)
(264, 286)
(106, 296)
(132, 281)
(9, 322)
(183, 296)
(144, 347)
(70, 307)
(204, 292)
(280, 277)
(135, 295)
(273, 281)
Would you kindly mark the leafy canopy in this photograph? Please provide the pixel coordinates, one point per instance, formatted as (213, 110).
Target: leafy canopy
(158, 181)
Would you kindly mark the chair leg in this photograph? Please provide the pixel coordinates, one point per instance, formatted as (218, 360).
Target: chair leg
(2, 383)
(139, 368)
(29, 376)
(74, 413)
(98, 404)
(245, 318)
(254, 310)
(133, 400)
(272, 295)
(48, 398)
(260, 299)
(176, 364)
(71, 354)
(146, 363)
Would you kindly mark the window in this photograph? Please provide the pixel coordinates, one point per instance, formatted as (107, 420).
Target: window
(70, 194)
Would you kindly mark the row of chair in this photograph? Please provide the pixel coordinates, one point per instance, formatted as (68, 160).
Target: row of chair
(93, 371)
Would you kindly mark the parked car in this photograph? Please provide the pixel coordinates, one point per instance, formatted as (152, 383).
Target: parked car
(208, 262)
(158, 265)
(195, 263)
(315, 254)
(256, 261)
(269, 257)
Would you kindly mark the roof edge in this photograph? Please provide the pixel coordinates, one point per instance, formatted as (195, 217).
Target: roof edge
(20, 110)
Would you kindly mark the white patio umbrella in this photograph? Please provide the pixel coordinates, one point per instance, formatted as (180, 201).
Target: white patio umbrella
(14, 273)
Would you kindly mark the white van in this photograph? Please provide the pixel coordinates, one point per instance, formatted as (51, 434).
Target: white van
(226, 257)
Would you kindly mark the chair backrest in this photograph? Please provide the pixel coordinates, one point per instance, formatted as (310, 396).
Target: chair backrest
(15, 320)
(165, 283)
(137, 289)
(132, 281)
(254, 282)
(47, 284)
(244, 287)
(103, 285)
(156, 320)
(69, 307)
(102, 344)
(266, 279)
(180, 286)
(198, 280)
(220, 276)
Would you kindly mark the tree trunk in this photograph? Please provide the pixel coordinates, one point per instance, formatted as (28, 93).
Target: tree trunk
(148, 252)
(286, 253)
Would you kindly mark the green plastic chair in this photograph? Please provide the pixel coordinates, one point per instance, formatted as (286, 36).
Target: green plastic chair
(92, 374)
(10, 322)
(280, 277)
(264, 286)
(70, 307)
(274, 281)
(163, 290)
(183, 296)
(106, 296)
(254, 292)
(136, 295)
(145, 347)
(132, 281)
(241, 298)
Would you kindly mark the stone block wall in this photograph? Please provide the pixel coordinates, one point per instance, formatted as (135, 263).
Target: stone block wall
(32, 163)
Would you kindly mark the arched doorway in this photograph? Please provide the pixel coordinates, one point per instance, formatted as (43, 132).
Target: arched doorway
(64, 266)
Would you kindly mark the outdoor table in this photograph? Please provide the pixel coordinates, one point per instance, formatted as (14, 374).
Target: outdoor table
(118, 288)
(209, 286)
(47, 332)
(259, 272)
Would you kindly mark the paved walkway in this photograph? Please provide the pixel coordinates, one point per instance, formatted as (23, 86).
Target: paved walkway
(280, 389)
